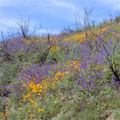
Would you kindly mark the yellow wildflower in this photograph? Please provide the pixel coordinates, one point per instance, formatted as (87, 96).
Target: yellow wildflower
(31, 115)
(40, 110)
(105, 106)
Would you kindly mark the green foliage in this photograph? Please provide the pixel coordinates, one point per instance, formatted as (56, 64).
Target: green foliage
(117, 18)
(8, 72)
(79, 31)
(2, 105)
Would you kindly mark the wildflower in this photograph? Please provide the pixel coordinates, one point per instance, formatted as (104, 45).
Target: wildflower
(40, 110)
(35, 104)
(88, 68)
(31, 115)
(63, 99)
(70, 98)
(6, 112)
(66, 72)
(105, 106)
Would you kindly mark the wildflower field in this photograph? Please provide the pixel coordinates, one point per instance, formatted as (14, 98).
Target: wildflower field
(69, 77)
